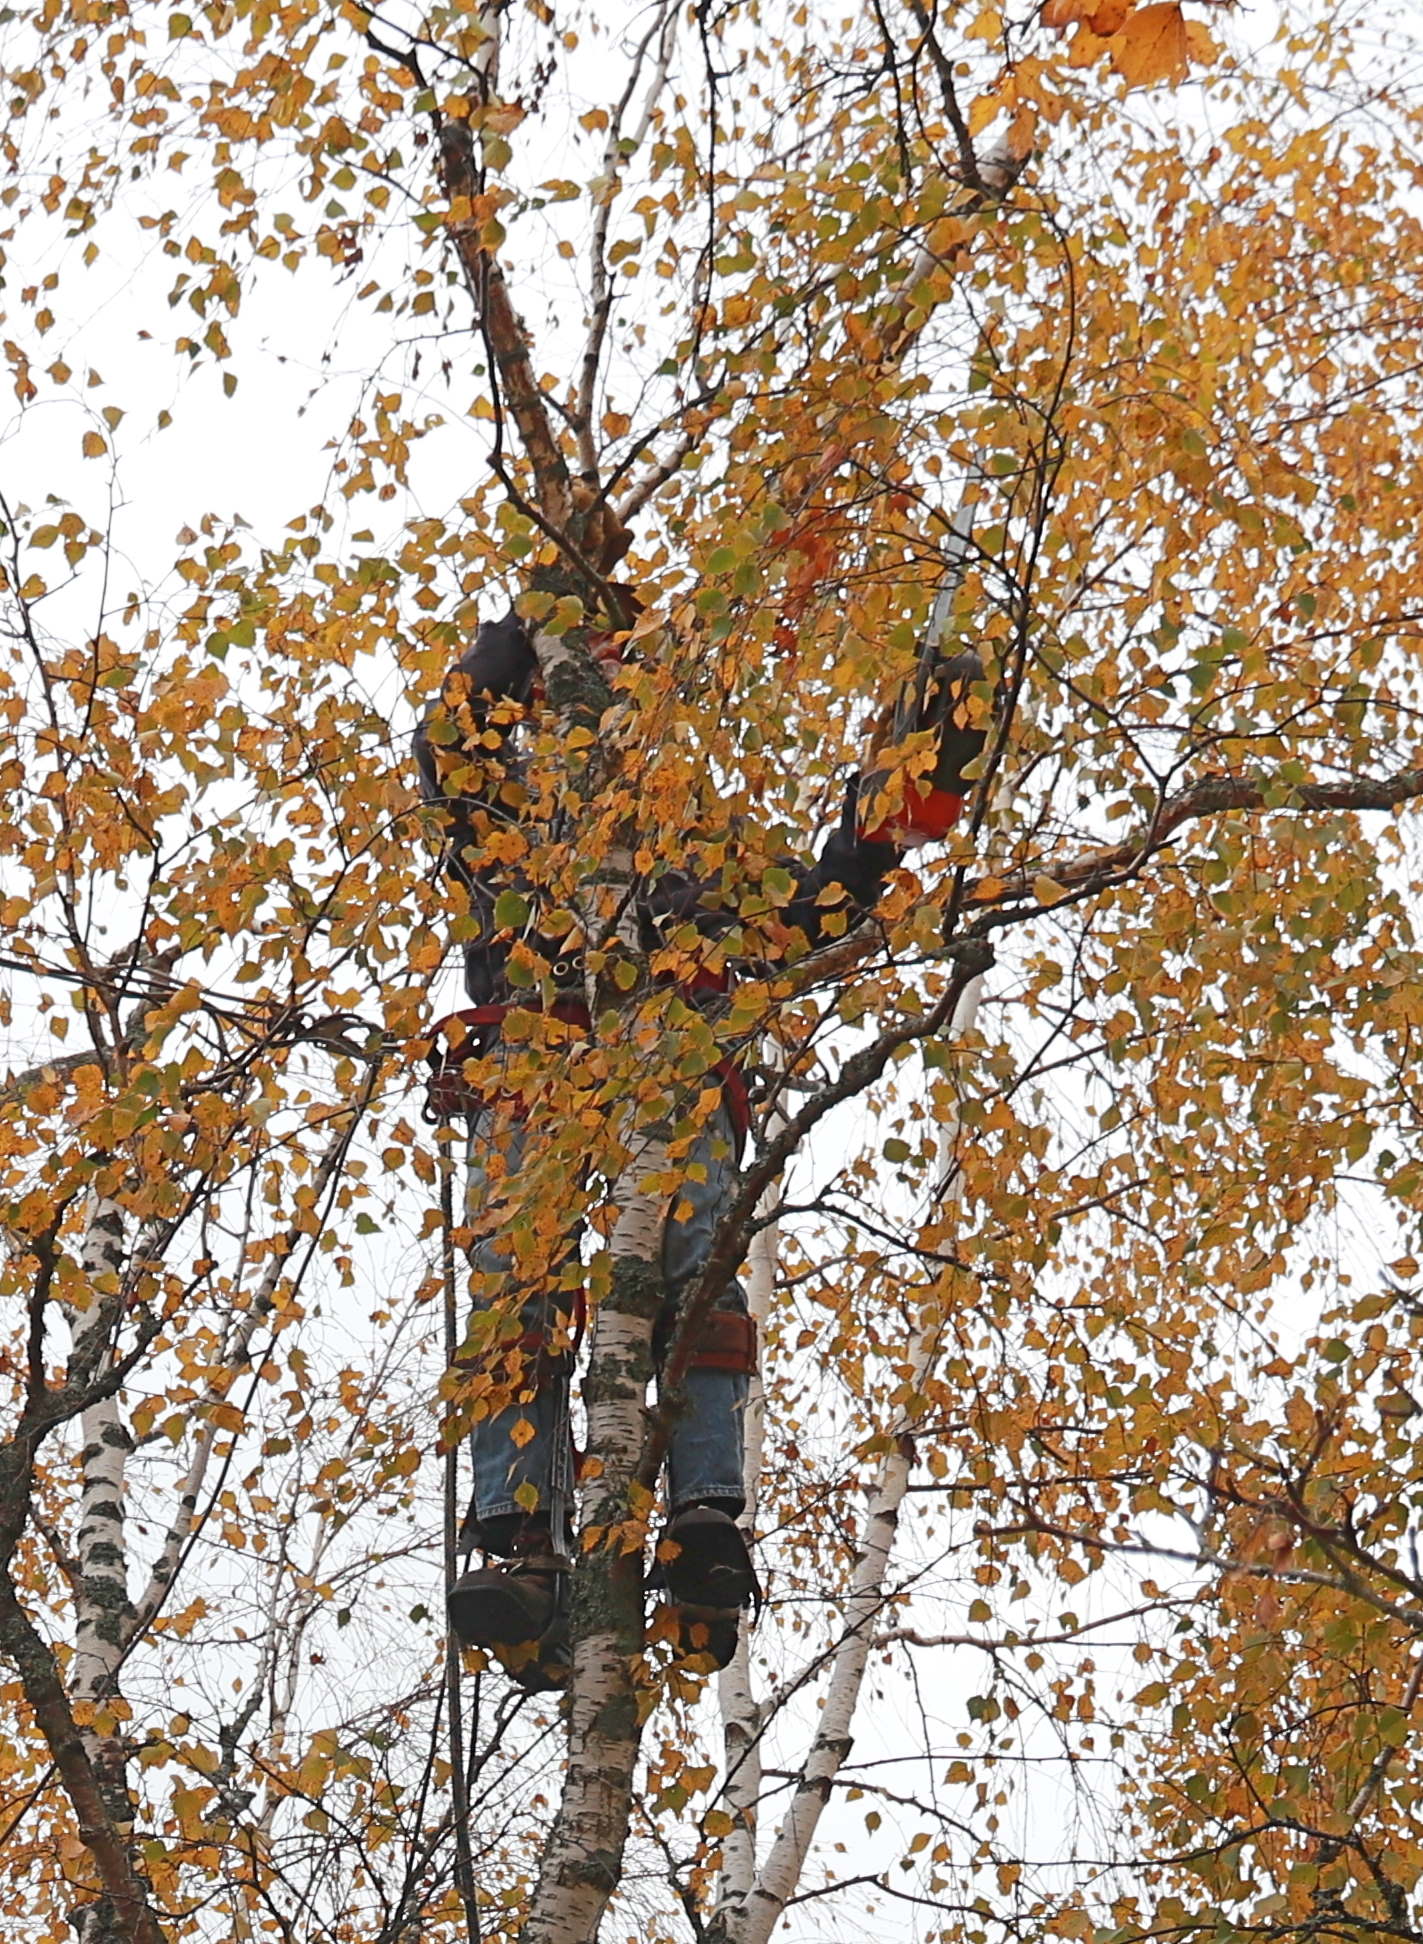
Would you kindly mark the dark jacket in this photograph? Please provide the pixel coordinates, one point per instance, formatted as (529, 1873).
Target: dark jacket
(500, 667)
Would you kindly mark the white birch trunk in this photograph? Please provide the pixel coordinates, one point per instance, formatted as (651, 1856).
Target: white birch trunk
(758, 1914)
(102, 1604)
(582, 1860)
(741, 1713)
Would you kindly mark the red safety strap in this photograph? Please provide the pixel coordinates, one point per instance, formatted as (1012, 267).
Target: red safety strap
(447, 1092)
(738, 1100)
(572, 1011)
(924, 817)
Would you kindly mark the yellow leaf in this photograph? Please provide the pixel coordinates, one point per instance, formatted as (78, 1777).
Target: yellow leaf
(188, 1805)
(94, 447)
(1067, 13)
(1151, 46)
(1047, 890)
(981, 113)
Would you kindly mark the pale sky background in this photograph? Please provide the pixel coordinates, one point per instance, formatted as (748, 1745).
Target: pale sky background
(304, 352)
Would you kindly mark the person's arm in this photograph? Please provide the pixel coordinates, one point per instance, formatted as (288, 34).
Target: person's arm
(468, 728)
(850, 860)
(858, 858)
(498, 666)
(933, 805)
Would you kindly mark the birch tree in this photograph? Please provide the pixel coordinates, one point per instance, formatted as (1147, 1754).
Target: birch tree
(1087, 1447)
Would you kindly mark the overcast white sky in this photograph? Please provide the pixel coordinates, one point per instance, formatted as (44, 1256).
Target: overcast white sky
(304, 352)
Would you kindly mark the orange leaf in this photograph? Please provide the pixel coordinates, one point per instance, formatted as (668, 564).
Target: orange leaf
(1109, 16)
(1201, 44)
(1066, 13)
(94, 447)
(1151, 46)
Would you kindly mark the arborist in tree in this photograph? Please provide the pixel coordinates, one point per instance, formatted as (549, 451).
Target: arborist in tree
(471, 762)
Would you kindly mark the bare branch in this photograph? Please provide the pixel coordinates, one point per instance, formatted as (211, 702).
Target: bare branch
(238, 1355)
(616, 151)
(1211, 796)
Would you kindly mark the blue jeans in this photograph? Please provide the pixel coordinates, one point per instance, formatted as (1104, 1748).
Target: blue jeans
(704, 1455)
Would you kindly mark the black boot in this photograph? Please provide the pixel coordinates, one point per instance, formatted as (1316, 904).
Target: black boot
(709, 1578)
(706, 1636)
(516, 1609)
(711, 1566)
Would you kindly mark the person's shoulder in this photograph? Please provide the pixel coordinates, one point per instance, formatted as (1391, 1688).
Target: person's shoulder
(500, 658)
(508, 631)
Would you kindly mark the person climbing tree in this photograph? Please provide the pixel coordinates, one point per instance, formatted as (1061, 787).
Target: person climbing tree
(471, 751)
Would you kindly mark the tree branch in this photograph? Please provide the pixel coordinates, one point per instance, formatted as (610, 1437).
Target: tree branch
(1210, 796)
(757, 1915)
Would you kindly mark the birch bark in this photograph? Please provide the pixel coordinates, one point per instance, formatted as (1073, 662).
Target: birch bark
(103, 1609)
(103, 1613)
(582, 1861)
(741, 1713)
(752, 1920)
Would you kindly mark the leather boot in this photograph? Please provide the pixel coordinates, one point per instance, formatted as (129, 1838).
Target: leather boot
(711, 1564)
(516, 1610)
(705, 1565)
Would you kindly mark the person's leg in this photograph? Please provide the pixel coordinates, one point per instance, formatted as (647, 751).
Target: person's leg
(705, 1560)
(522, 1449)
(705, 1457)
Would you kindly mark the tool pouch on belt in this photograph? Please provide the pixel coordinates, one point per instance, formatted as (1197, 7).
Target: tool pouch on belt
(725, 1341)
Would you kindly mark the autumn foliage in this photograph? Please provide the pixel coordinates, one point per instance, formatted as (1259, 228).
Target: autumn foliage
(1091, 1486)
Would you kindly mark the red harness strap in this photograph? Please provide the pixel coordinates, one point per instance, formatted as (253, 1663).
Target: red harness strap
(454, 1039)
(924, 817)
